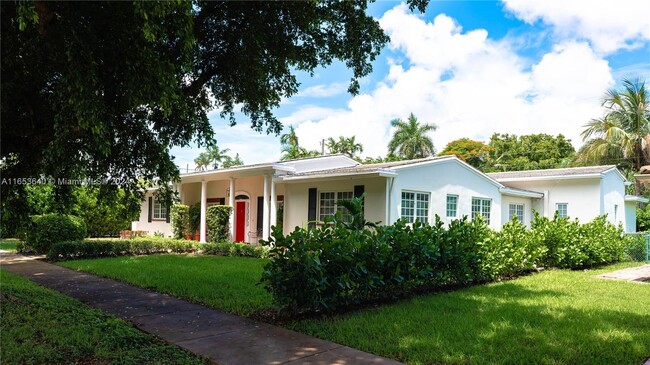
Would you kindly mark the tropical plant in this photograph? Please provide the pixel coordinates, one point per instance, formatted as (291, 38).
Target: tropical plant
(290, 138)
(622, 135)
(230, 161)
(291, 149)
(410, 139)
(217, 155)
(509, 152)
(202, 161)
(345, 145)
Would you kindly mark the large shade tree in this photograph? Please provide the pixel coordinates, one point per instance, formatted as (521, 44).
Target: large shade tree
(509, 152)
(105, 89)
(410, 139)
(475, 153)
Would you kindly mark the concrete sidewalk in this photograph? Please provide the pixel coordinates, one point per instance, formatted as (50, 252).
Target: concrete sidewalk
(639, 274)
(222, 337)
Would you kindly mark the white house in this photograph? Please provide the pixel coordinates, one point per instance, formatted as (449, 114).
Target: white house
(305, 191)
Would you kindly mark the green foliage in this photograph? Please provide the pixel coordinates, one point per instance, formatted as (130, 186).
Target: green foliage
(105, 89)
(180, 218)
(195, 218)
(574, 246)
(636, 248)
(217, 220)
(643, 219)
(339, 266)
(232, 161)
(509, 152)
(48, 229)
(345, 145)
(235, 249)
(81, 249)
(410, 139)
(41, 326)
(106, 213)
(291, 150)
(474, 153)
(355, 208)
(333, 267)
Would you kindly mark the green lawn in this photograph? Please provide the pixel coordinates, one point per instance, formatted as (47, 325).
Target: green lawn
(8, 244)
(40, 326)
(227, 283)
(555, 317)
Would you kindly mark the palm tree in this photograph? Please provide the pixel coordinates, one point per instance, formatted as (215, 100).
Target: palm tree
(344, 145)
(623, 134)
(410, 140)
(202, 161)
(289, 138)
(217, 155)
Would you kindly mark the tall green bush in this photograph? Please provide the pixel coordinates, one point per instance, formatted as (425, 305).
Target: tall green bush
(217, 223)
(48, 229)
(180, 217)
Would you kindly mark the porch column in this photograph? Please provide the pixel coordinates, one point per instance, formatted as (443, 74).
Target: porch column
(231, 202)
(179, 189)
(274, 206)
(265, 216)
(204, 206)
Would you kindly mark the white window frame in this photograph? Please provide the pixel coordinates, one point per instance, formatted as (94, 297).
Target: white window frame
(561, 214)
(484, 208)
(159, 210)
(514, 208)
(337, 195)
(415, 210)
(455, 204)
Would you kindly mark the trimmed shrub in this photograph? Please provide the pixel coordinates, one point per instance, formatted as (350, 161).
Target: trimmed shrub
(235, 249)
(82, 249)
(574, 246)
(48, 229)
(635, 247)
(180, 217)
(217, 223)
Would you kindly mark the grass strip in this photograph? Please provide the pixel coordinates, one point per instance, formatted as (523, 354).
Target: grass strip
(40, 326)
(226, 283)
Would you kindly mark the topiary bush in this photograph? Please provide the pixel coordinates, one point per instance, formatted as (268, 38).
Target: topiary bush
(217, 219)
(81, 249)
(235, 249)
(47, 229)
(180, 218)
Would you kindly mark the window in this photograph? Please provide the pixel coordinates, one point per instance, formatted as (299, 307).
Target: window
(562, 210)
(159, 210)
(415, 206)
(481, 206)
(329, 204)
(516, 210)
(452, 205)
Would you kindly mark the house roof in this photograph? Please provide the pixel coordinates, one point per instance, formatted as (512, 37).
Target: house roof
(378, 169)
(575, 172)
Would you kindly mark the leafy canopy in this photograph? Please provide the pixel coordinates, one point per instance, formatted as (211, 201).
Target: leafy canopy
(509, 152)
(475, 153)
(410, 139)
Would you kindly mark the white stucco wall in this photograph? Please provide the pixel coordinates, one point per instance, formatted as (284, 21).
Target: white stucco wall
(297, 199)
(612, 195)
(142, 224)
(630, 217)
(442, 178)
(581, 195)
(528, 208)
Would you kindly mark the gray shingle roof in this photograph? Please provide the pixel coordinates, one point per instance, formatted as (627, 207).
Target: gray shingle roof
(369, 168)
(572, 171)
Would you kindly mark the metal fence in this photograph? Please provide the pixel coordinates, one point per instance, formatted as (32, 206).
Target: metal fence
(637, 246)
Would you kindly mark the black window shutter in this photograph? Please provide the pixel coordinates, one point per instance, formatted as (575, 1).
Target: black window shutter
(311, 208)
(222, 201)
(358, 190)
(168, 215)
(260, 213)
(150, 217)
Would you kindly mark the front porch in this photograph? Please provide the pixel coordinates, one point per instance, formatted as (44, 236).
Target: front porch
(255, 199)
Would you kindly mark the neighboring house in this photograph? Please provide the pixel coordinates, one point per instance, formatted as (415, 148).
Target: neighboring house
(305, 191)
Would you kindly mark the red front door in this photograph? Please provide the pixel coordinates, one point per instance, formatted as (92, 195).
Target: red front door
(240, 221)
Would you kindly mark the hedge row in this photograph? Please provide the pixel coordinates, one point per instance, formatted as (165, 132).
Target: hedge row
(44, 230)
(82, 249)
(333, 267)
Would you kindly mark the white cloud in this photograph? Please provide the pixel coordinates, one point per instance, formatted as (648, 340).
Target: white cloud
(609, 26)
(324, 91)
(467, 84)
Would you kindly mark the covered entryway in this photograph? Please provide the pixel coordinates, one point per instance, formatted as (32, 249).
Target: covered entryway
(241, 220)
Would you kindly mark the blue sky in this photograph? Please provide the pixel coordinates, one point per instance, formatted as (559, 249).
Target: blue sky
(471, 67)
